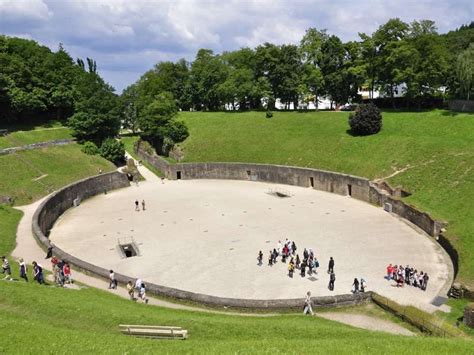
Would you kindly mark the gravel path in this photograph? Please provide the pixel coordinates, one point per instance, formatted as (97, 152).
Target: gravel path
(367, 322)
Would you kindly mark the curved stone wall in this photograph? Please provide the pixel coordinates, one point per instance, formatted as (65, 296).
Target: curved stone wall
(55, 205)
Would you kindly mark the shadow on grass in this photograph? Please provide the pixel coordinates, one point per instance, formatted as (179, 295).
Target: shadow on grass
(31, 125)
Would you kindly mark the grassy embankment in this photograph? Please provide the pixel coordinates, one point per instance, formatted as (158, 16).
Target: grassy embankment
(46, 319)
(433, 153)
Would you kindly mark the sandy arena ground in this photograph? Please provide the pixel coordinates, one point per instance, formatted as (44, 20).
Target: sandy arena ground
(204, 236)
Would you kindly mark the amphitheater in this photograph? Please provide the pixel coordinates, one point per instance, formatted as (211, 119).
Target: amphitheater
(202, 236)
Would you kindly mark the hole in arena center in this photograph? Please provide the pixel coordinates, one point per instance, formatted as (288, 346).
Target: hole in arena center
(349, 189)
(128, 250)
(178, 175)
(311, 181)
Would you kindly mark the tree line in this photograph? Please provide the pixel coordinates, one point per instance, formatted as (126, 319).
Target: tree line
(426, 63)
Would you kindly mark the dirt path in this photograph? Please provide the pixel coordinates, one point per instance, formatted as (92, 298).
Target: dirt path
(367, 322)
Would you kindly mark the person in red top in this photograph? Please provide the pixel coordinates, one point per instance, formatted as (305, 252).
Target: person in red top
(67, 273)
(389, 271)
(54, 262)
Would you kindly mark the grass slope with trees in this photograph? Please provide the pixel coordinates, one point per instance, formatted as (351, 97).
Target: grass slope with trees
(430, 154)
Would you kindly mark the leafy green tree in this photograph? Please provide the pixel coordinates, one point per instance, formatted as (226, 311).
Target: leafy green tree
(158, 125)
(465, 71)
(208, 71)
(113, 150)
(97, 110)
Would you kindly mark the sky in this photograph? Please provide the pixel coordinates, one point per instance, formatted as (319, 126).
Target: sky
(128, 37)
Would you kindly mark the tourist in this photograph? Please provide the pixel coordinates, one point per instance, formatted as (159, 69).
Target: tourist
(303, 268)
(279, 247)
(363, 285)
(49, 253)
(162, 180)
(130, 291)
(420, 280)
(113, 280)
(297, 261)
(293, 247)
(389, 272)
(415, 278)
(305, 254)
(6, 268)
(310, 266)
(275, 255)
(332, 280)
(331, 265)
(400, 281)
(67, 273)
(316, 265)
(143, 205)
(425, 281)
(54, 263)
(142, 293)
(137, 205)
(23, 269)
(291, 268)
(38, 272)
(355, 286)
(270, 258)
(307, 304)
(260, 257)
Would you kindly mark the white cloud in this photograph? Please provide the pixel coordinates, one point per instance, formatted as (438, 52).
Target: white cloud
(132, 35)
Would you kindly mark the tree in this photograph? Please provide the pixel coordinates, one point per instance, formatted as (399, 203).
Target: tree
(388, 40)
(465, 70)
(97, 110)
(207, 72)
(113, 150)
(158, 125)
(366, 120)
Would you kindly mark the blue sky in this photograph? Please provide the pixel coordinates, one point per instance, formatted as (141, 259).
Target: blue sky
(127, 37)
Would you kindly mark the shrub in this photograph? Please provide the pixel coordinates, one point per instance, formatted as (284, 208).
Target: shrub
(90, 148)
(113, 150)
(269, 114)
(365, 120)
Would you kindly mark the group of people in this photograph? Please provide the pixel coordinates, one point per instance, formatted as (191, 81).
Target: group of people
(23, 270)
(407, 275)
(137, 288)
(61, 271)
(308, 264)
(137, 205)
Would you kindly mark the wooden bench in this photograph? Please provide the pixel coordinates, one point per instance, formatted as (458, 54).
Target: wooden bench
(154, 331)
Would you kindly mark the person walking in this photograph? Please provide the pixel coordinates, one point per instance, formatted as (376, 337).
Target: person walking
(425, 281)
(143, 205)
(38, 272)
(113, 280)
(260, 258)
(130, 291)
(23, 269)
(332, 279)
(142, 293)
(6, 268)
(331, 265)
(355, 286)
(137, 205)
(363, 285)
(307, 304)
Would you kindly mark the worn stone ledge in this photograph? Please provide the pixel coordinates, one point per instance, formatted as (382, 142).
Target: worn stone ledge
(36, 146)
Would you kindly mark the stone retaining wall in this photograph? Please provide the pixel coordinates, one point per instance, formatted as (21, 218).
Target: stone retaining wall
(50, 210)
(36, 146)
(342, 184)
(461, 105)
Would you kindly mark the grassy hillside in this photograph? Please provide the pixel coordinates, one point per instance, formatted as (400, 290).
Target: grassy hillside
(29, 175)
(19, 136)
(436, 148)
(47, 319)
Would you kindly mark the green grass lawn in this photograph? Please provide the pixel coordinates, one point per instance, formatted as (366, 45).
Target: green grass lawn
(47, 319)
(436, 146)
(59, 166)
(34, 135)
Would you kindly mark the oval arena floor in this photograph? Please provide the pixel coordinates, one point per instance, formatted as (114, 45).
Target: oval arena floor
(204, 236)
